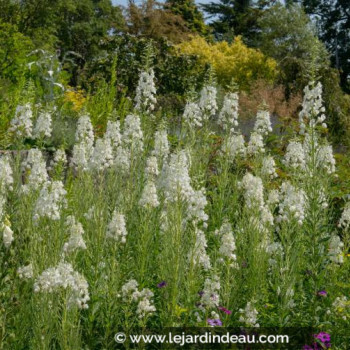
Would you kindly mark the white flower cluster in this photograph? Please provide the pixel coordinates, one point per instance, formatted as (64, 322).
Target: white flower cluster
(43, 125)
(25, 272)
(176, 180)
(151, 169)
(199, 254)
(21, 125)
(336, 249)
(7, 234)
(210, 295)
(116, 228)
(176, 184)
(161, 144)
(149, 197)
(254, 198)
(145, 306)
(115, 148)
(122, 159)
(298, 155)
(76, 231)
(325, 159)
(84, 137)
(145, 98)
(193, 115)
(268, 168)
(292, 203)
(255, 144)
(112, 149)
(132, 135)
(234, 146)
(50, 201)
(228, 244)
(207, 101)
(312, 107)
(59, 160)
(35, 169)
(64, 276)
(84, 132)
(253, 191)
(273, 197)
(144, 297)
(6, 175)
(344, 221)
(295, 156)
(263, 123)
(249, 315)
(128, 289)
(81, 156)
(102, 155)
(228, 116)
(196, 204)
(113, 134)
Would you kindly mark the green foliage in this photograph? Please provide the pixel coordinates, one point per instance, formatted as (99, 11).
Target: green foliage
(101, 103)
(174, 74)
(14, 48)
(236, 17)
(337, 106)
(70, 25)
(333, 22)
(288, 36)
(81, 25)
(188, 10)
(155, 20)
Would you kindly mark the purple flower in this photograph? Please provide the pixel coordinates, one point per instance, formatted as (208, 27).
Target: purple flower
(307, 347)
(223, 309)
(214, 322)
(161, 284)
(323, 336)
(200, 293)
(314, 346)
(322, 293)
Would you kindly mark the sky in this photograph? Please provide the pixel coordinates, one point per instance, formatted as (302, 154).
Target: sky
(124, 2)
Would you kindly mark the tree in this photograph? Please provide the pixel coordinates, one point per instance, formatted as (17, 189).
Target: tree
(288, 35)
(236, 17)
(81, 25)
(154, 20)
(14, 49)
(188, 10)
(232, 61)
(333, 22)
(68, 25)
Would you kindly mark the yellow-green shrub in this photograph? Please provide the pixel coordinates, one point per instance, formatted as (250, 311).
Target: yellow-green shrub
(234, 60)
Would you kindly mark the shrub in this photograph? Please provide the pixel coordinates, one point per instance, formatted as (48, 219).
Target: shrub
(235, 60)
(14, 48)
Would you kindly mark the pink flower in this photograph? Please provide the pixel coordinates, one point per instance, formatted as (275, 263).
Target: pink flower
(226, 311)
